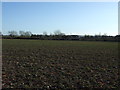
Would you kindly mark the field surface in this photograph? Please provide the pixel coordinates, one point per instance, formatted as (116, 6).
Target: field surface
(59, 64)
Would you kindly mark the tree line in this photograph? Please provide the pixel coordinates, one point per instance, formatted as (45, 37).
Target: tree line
(58, 35)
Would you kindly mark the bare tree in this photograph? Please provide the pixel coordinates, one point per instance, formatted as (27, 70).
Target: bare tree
(62, 34)
(12, 33)
(22, 33)
(28, 33)
(0, 33)
(44, 33)
(105, 34)
(57, 32)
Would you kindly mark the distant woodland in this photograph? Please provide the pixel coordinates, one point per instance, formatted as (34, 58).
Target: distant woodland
(58, 35)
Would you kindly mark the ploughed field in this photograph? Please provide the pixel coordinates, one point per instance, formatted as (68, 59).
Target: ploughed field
(48, 64)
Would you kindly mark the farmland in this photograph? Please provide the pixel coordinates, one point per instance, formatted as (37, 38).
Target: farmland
(54, 64)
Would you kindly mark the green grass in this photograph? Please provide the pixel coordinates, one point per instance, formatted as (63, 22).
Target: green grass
(59, 64)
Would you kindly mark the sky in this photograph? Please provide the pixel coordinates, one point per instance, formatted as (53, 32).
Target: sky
(69, 17)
